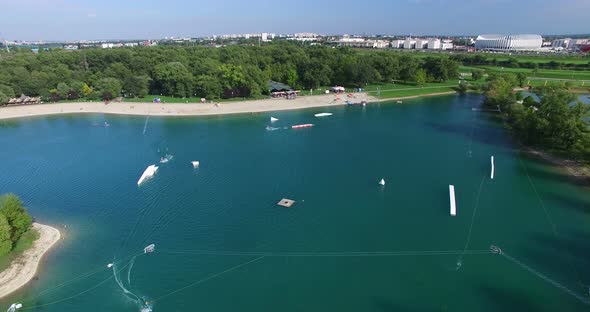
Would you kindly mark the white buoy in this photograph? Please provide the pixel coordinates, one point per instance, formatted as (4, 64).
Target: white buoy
(195, 164)
(382, 182)
(492, 173)
(272, 119)
(452, 198)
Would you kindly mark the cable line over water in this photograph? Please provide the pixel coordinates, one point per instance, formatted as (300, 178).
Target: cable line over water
(499, 251)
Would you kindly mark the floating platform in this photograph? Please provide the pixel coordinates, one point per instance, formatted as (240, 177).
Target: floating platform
(302, 126)
(452, 198)
(287, 203)
(149, 172)
(492, 173)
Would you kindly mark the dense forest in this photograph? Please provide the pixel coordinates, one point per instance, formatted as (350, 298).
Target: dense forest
(553, 119)
(212, 73)
(14, 222)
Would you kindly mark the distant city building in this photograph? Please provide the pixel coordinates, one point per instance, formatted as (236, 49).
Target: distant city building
(70, 47)
(421, 44)
(361, 43)
(397, 44)
(508, 43)
(305, 35)
(433, 44)
(577, 44)
(447, 45)
(409, 43)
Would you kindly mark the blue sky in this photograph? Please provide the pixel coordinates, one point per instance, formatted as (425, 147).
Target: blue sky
(134, 19)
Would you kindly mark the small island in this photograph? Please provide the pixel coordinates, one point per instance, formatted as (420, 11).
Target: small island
(22, 244)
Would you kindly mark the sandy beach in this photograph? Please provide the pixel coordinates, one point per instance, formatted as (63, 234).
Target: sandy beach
(23, 269)
(181, 109)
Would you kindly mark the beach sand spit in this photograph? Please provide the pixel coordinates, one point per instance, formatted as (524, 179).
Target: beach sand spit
(23, 269)
(181, 109)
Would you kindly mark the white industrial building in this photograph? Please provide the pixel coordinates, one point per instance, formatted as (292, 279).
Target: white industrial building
(361, 43)
(508, 43)
(397, 44)
(409, 43)
(433, 44)
(421, 44)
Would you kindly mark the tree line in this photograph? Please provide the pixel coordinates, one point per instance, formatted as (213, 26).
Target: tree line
(14, 222)
(553, 118)
(212, 73)
(513, 62)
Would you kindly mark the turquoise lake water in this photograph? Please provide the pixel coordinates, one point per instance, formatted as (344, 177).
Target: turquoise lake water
(222, 243)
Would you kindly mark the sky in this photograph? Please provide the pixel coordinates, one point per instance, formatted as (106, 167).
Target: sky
(153, 19)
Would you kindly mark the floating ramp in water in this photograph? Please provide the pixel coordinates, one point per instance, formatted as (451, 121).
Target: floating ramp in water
(302, 126)
(492, 173)
(149, 172)
(452, 199)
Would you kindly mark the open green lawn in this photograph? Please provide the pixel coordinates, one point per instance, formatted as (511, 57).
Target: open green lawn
(523, 58)
(542, 73)
(24, 243)
(386, 91)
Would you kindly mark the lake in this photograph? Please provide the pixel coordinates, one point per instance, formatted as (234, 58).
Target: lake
(223, 244)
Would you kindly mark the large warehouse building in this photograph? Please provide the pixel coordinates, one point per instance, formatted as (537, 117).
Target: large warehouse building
(508, 43)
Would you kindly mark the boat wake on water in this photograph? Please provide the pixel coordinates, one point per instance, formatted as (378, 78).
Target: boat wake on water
(143, 303)
(166, 158)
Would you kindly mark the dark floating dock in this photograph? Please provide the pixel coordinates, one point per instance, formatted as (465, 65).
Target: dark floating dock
(287, 203)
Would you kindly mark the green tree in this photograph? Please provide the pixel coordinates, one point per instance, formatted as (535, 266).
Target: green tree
(137, 86)
(63, 90)
(463, 87)
(292, 78)
(5, 230)
(499, 93)
(477, 74)
(174, 79)
(420, 77)
(76, 89)
(521, 78)
(566, 125)
(208, 87)
(18, 219)
(108, 88)
(3, 98)
(7, 90)
(86, 90)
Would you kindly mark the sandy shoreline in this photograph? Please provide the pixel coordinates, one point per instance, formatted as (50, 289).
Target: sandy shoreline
(23, 269)
(573, 168)
(180, 109)
(195, 109)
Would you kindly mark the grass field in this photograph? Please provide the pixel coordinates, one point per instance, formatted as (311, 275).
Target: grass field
(542, 73)
(523, 58)
(391, 90)
(24, 243)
